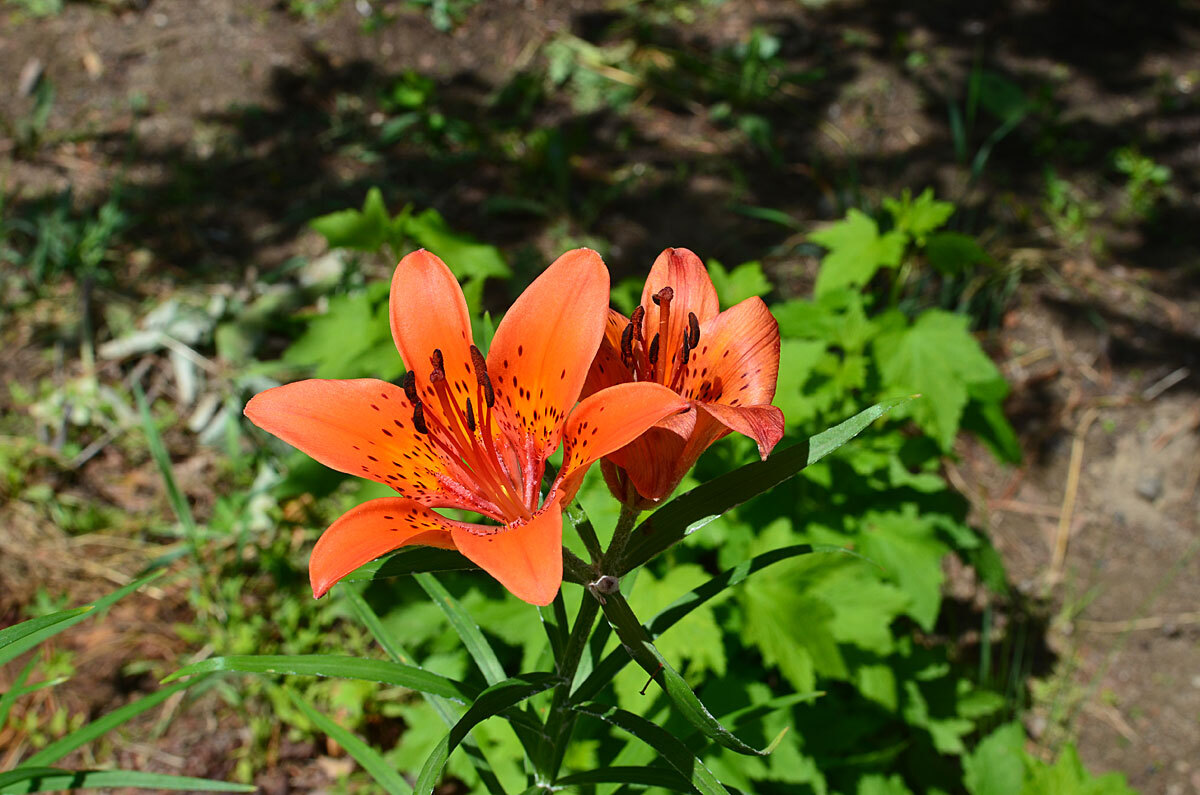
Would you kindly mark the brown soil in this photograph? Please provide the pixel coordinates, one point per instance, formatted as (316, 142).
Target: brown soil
(235, 101)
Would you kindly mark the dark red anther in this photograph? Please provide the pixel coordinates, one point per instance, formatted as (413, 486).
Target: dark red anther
(636, 319)
(410, 388)
(687, 349)
(653, 353)
(437, 377)
(693, 338)
(627, 344)
(439, 362)
(481, 375)
(470, 416)
(665, 294)
(419, 419)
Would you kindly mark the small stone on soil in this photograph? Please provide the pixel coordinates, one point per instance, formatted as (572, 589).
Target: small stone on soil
(1150, 488)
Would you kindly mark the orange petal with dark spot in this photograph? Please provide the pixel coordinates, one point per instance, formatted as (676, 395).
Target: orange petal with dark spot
(685, 274)
(370, 530)
(543, 348)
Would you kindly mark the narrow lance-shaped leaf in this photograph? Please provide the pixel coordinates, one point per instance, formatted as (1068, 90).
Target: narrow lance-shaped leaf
(390, 673)
(411, 560)
(466, 628)
(693, 510)
(662, 741)
(365, 755)
(440, 705)
(85, 734)
(49, 779)
(634, 638)
(617, 659)
(492, 701)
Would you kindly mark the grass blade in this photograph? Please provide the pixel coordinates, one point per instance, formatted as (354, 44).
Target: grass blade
(365, 755)
(672, 750)
(158, 451)
(472, 637)
(691, 511)
(639, 776)
(49, 779)
(492, 701)
(389, 673)
(85, 734)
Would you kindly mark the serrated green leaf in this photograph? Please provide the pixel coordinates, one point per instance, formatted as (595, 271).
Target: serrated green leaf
(995, 766)
(494, 700)
(953, 252)
(908, 549)
(466, 257)
(693, 510)
(878, 784)
(48, 779)
(792, 630)
(367, 229)
(916, 218)
(365, 755)
(733, 286)
(937, 357)
(1068, 776)
(390, 673)
(856, 251)
(668, 747)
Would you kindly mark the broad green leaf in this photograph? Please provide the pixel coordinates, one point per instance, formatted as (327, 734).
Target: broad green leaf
(351, 339)
(494, 700)
(877, 784)
(910, 552)
(410, 560)
(953, 252)
(364, 754)
(693, 510)
(390, 673)
(856, 251)
(937, 357)
(995, 766)
(362, 230)
(792, 630)
(48, 779)
(918, 217)
(1068, 776)
(16, 640)
(638, 645)
(466, 257)
(733, 286)
(667, 745)
(465, 626)
(85, 734)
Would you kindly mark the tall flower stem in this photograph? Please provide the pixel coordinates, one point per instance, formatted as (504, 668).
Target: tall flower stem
(560, 721)
(616, 548)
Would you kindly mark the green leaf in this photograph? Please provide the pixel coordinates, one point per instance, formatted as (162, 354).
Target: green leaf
(641, 776)
(158, 451)
(19, 638)
(16, 690)
(698, 636)
(38, 628)
(745, 281)
(390, 673)
(792, 630)
(1068, 776)
(364, 754)
(61, 747)
(995, 766)
(362, 230)
(856, 251)
(667, 745)
(637, 643)
(877, 784)
(937, 357)
(495, 699)
(48, 779)
(917, 218)
(468, 631)
(351, 339)
(410, 560)
(953, 252)
(693, 510)
(910, 552)
(466, 257)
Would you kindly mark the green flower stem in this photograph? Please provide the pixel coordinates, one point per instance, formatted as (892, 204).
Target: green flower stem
(616, 548)
(560, 721)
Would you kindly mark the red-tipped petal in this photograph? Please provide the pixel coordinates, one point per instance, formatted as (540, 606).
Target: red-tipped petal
(685, 274)
(370, 530)
(609, 420)
(525, 558)
(362, 427)
(763, 424)
(545, 344)
(737, 359)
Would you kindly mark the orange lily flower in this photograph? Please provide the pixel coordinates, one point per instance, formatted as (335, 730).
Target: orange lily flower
(724, 363)
(468, 432)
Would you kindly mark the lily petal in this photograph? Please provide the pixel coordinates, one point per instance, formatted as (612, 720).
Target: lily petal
(607, 368)
(544, 346)
(737, 360)
(361, 427)
(606, 422)
(525, 558)
(372, 529)
(763, 424)
(428, 312)
(685, 274)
